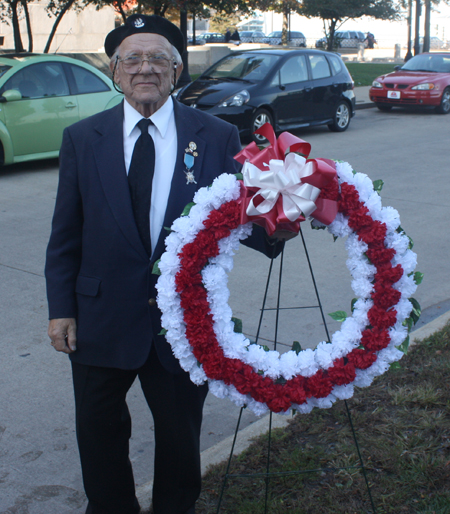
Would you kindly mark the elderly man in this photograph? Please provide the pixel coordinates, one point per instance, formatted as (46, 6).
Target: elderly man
(124, 175)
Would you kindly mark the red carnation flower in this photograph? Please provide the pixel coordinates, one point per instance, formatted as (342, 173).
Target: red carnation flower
(380, 318)
(374, 339)
(387, 298)
(359, 218)
(375, 232)
(361, 359)
(380, 255)
(349, 199)
(319, 385)
(341, 373)
(331, 190)
(388, 274)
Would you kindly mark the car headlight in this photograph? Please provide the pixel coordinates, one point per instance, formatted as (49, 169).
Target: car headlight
(236, 100)
(424, 87)
(375, 83)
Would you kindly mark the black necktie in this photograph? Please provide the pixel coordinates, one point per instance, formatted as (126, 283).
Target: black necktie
(140, 177)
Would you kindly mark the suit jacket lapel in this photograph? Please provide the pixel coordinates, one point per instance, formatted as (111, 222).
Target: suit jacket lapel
(108, 152)
(181, 192)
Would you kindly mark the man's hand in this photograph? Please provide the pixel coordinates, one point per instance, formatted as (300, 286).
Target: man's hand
(283, 235)
(63, 334)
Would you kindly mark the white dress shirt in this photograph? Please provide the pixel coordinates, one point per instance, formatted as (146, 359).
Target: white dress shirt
(164, 134)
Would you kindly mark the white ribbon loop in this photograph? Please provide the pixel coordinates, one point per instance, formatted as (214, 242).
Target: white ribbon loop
(285, 178)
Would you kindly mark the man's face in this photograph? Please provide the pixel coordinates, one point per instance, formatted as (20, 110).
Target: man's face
(148, 89)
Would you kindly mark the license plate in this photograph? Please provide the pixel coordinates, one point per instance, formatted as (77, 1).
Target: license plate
(393, 94)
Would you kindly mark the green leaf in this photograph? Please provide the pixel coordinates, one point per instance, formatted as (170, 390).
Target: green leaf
(187, 209)
(417, 311)
(265, 348)
(168, 229)
(156, 270)
(335, 238)
(239, 176)
(418, 277)
(163, 332)
(338, 315)
(354, 300)
(318, 227)
(395, 365)
(411, 242)
(408, 323)
(237, 325)
(404, 346)
(378, 185)
(296, 347)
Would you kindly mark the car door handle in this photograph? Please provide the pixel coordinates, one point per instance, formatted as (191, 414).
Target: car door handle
(70, 105)
(307, 89)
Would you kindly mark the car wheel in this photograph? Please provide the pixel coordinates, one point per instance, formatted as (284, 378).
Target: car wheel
(260, 117)
(341, 117)
(444, 107)
(384, 107)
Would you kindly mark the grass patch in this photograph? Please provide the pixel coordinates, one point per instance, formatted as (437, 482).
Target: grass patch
(402, 423)
(365, 73)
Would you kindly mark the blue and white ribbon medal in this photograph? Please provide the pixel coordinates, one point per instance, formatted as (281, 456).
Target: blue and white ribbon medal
(189, 162)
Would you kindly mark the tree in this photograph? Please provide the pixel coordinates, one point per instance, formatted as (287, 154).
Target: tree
(336, 12)
(10, 11)
(59, 8)
(285, 7)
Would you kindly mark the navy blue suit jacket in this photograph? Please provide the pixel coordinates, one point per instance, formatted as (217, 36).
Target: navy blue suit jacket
(97, 269)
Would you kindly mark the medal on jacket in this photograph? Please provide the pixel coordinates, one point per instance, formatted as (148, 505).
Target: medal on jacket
(189, 162)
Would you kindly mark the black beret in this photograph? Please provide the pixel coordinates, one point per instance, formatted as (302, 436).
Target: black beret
(141, 23)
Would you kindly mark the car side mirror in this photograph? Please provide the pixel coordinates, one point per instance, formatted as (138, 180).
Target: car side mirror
(11, 95)
(396, 68)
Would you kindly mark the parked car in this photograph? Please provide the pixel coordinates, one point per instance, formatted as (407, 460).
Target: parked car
(294, 38)
(424, 80)
(344, 39)
(435, 43)
(43, 94)
(198, 40)
(286, 88)
(211, 37)
(252, 36)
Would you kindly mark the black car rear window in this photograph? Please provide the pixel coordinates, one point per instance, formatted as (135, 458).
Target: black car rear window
(252, 67)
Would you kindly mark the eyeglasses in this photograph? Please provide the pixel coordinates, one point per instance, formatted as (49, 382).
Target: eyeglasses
(133, 63)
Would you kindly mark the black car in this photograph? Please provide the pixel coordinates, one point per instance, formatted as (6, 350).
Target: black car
(286, 88)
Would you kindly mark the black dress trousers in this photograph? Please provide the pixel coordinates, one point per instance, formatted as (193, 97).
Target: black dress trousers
(103, 427)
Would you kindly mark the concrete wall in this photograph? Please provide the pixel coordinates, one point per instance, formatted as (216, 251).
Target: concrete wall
(78, 32)
(202, 57)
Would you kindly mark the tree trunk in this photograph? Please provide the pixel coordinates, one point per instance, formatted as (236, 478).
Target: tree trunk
(63, 11)
(18, 46)
(330, 42)
(417, 28)
(426, 34)
(284, 34)
(185, 78)
(29, 32)
(119, 7)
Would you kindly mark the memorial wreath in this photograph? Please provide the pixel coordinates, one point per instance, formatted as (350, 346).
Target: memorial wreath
(279, 188)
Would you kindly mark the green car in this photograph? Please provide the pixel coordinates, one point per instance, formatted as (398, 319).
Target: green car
(41, 95)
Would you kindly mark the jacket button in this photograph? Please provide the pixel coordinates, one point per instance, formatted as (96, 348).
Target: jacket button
(152, 302)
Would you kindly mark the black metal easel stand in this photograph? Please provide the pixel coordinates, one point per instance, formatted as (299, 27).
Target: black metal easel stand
(268, 474)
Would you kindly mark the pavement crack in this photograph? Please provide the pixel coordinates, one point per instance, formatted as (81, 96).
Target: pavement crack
(22, 270)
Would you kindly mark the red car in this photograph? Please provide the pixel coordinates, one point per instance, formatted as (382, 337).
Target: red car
(422, 81)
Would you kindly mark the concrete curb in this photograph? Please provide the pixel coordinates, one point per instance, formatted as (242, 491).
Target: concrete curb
(370, 105)
(221, 451)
